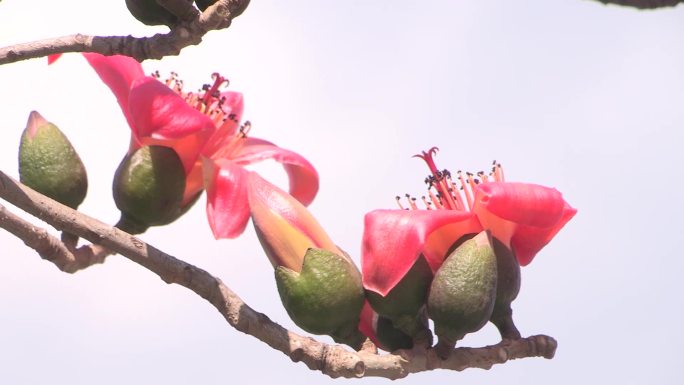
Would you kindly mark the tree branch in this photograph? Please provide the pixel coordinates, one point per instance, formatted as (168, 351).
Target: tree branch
(65, 255)
(332, 360)
(217, 16)
(644, 4)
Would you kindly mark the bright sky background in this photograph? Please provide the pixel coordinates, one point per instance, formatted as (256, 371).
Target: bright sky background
(571, 94)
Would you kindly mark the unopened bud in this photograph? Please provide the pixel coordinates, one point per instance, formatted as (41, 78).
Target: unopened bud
(326, 297)
(148, 188)
(463, 292)
(49, 164)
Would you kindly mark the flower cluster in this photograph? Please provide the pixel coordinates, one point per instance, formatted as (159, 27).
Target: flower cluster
(453, 257)
(404, 249)
(461, 251)
(524, 216)
(204, 129)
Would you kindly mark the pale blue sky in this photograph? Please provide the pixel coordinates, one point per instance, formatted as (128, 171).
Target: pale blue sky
(571, 94)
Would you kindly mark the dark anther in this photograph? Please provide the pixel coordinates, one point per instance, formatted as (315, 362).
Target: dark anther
(205, 87)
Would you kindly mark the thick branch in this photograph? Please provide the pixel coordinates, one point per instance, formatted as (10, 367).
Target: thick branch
(217, 16)
(644, 4)
(332, 360)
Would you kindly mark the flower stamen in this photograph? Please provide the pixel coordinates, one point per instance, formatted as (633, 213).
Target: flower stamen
(447, 193)
(398, 198)
(207, 100)
(234, 143)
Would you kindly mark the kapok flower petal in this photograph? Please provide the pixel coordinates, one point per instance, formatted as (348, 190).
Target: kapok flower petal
(162, 117)
(530, 214)
(529, 240)
(302, 174)
(53, 58)
(160, 113)
(285, 227)
(227, 202)
(394, 239)
(194, 183)
(118, 73)
(368, 321)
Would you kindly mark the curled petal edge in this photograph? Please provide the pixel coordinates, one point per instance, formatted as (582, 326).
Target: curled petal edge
(302, 175)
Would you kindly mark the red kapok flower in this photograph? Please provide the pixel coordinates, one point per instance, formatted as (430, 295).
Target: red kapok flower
(203, 128)
(525, 217)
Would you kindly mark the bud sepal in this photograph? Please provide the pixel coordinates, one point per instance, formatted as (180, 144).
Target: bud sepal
(463, 292)
(148, 188)
(326, 297)
(49, 164)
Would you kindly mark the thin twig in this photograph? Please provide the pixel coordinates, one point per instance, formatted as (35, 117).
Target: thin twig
(64, 255)
(332, 360)
(217, 16)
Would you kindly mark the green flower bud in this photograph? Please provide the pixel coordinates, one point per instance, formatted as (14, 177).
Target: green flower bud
(326, 297)
(49, 164)
(463, 292)
(148, 188)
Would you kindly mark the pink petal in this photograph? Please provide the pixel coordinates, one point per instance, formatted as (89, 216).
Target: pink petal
(286, 229)
(118, 73)
(302, 175)
(53, 58)
(160, 113)
(528, 240)
(35, 122)
(525, 217)
(162, 117)
(523, 203)
(227, 200)
(368, 323)
(394, 239)
(194, 183)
